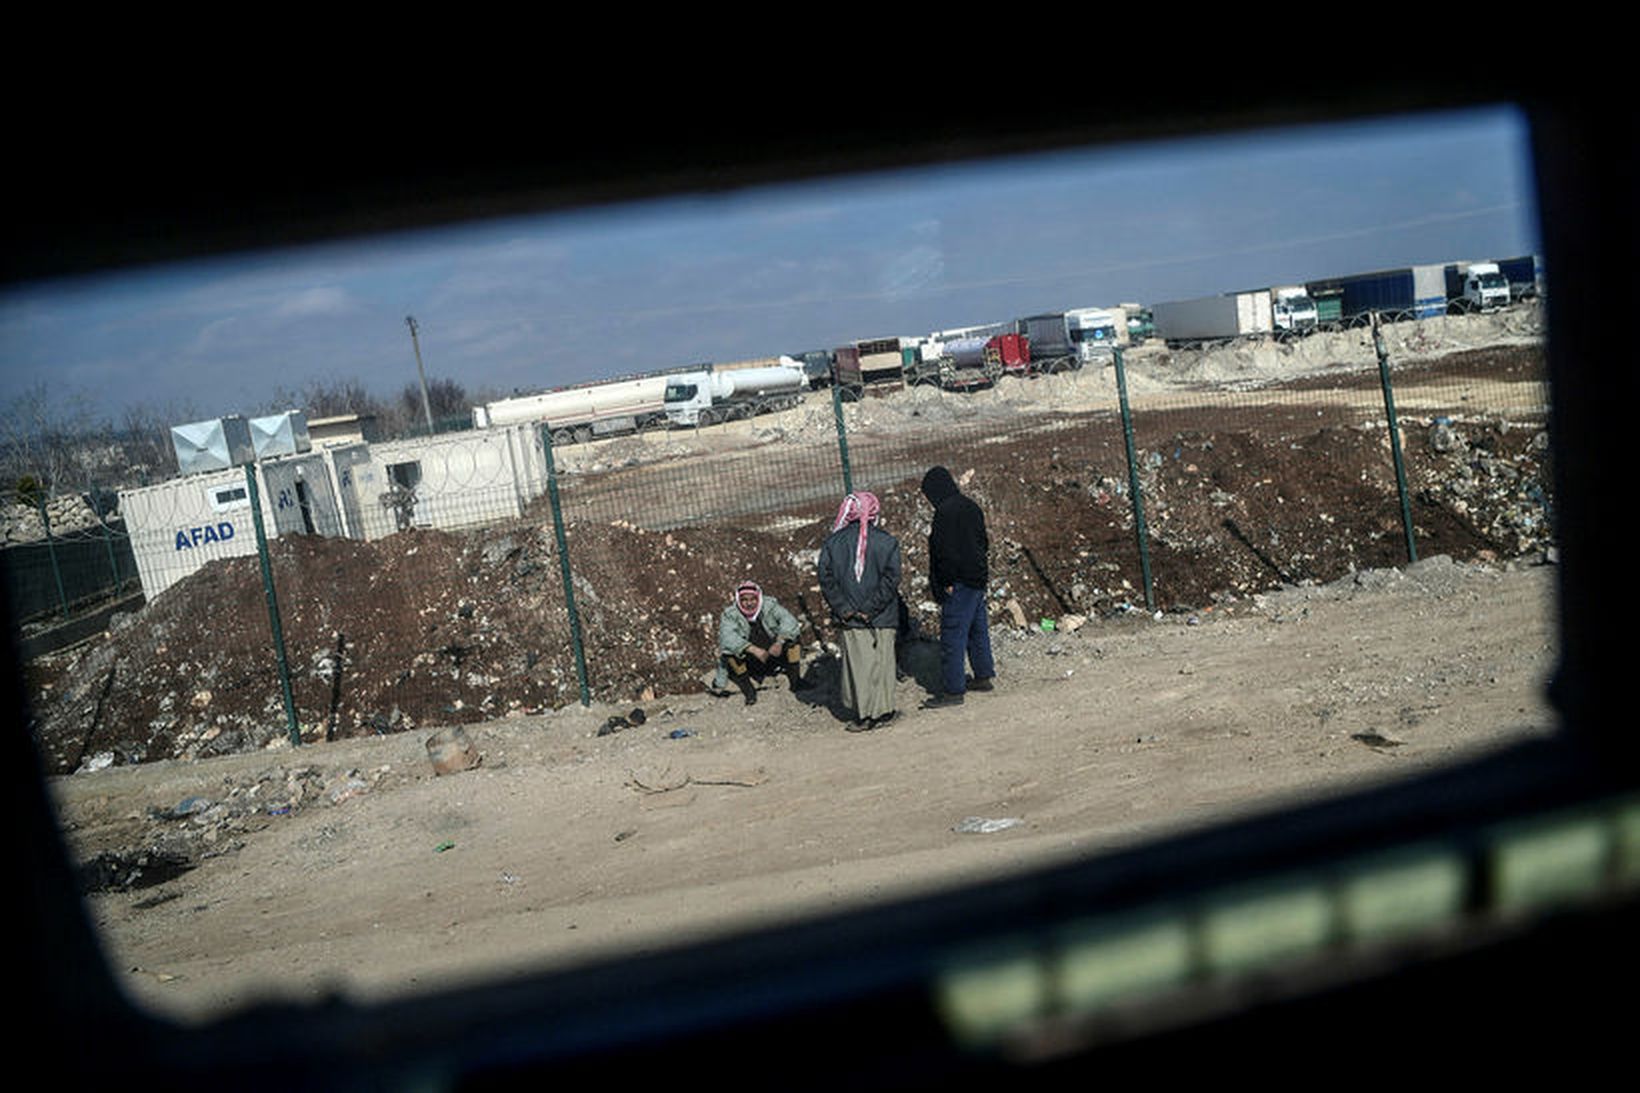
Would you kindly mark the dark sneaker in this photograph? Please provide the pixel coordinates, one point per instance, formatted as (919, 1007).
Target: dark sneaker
(886, 719)
(861, 726)
(940, 702)
(985, 684)
(751, 698)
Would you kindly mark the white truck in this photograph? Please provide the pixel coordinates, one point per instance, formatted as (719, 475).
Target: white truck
(705, 398)
(1096, 332)
(1293, 310)
(1481, 285)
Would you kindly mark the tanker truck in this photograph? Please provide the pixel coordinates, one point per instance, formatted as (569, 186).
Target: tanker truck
(585, 412)
(705, 398)
(963, 363)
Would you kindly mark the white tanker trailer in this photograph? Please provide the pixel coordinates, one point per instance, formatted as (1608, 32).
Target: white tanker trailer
(704, 398)
(580, 414)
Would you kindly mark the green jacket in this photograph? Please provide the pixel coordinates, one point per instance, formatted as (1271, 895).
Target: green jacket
(734, 632)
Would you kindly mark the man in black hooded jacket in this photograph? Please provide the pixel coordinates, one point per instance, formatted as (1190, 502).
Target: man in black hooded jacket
(958, 569)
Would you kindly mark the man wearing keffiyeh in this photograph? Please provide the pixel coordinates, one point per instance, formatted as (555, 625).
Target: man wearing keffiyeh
(757, 638)
(859, 569)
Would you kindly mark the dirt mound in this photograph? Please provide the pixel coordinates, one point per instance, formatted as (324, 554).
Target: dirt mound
(430, 627)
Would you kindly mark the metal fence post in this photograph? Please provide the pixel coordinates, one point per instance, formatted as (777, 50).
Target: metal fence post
(1139, 530)
(1394, 438)
(273, 606)
(564, 569)
(108, 544)
(842, 437)
(51, 551)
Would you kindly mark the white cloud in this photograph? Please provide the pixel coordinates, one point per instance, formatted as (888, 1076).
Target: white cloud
(316, 303)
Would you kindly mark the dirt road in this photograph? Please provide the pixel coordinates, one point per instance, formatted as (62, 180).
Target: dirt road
(349, 867)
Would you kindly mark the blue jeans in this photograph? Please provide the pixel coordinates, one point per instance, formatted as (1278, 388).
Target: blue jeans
(964, 630)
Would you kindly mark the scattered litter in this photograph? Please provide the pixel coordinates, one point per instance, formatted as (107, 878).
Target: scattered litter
(979, 825)
(617, 723)
(442, 847)
(679, 734)
(1047, 625)
(188, 806)
(509, 878)
(279, 810)
(451, 751)
(622, 836)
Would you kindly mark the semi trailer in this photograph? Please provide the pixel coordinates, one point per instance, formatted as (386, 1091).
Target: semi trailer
(584, 412)
(1184, 323)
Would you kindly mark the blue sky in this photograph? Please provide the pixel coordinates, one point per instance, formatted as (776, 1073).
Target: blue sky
(537, 302)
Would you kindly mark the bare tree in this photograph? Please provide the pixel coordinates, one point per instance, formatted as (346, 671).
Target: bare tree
(446, 397)
(48, 439)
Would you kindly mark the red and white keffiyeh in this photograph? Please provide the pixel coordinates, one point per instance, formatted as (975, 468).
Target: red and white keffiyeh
(862, 508)
(749, 586)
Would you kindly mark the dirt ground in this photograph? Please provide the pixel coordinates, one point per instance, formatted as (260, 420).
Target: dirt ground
(1293, 654)
(350, 868)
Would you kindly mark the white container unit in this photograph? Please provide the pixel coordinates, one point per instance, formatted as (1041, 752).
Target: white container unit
(300, 494)
(452, 481)
(178, 526)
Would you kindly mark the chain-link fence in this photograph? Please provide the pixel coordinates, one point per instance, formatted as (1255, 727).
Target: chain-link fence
(61, 555)
(475, 574)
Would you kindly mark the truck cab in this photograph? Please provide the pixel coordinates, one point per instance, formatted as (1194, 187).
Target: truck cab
(1485, 286)
(1095, 332)
(1293, 310)
(687, 395)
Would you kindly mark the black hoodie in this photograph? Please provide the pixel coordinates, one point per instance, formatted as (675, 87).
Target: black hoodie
(958, 547)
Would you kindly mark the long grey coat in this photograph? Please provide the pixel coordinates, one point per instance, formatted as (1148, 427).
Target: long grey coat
(876, 592)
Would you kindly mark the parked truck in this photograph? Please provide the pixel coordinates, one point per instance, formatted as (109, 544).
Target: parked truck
(1186, 323)
(1053, 349)
(1096, 332)
(1409, 292)
(706, 398)
(1523, 274)
(818, 365)
(1476, 286)
(874, 366)
(1293, 310)
(584, 412)
(963, 363)
(1141, 324)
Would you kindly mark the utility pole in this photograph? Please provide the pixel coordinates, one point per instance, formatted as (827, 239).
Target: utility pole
(426, 405)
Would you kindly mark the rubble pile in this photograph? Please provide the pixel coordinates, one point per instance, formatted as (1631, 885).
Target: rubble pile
(69, 515)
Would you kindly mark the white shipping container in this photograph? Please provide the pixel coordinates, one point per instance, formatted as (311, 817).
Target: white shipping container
(179, 525)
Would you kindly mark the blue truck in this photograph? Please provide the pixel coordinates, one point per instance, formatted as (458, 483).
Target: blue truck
(1412, 292)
